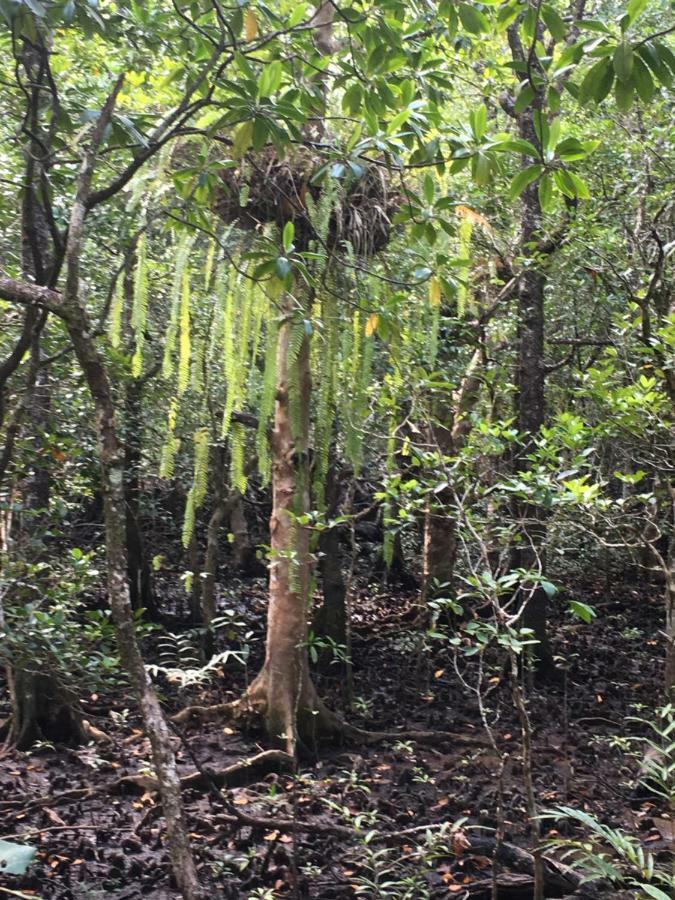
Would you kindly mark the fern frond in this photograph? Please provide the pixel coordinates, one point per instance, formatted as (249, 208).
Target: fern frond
(116, 310)
(463, 295)
(201, 466)
(182, 253)
(189, 518)
(139, 312)
(237, 453)
(184, 346)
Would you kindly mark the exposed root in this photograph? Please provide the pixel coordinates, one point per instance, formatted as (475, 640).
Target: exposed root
(220, 712)
(328, 724)
(432, 738)
(246, 771)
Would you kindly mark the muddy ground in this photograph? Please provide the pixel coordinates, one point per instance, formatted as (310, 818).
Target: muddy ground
(110, 845)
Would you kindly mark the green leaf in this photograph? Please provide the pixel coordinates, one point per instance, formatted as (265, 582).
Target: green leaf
(398, 120)
(571, 185)
(597, 82)
(623, 92)
(549, 589)
(429, 188)
(524, 98)
(519, 145)
(654, 892)
(473, 20)
(242, 139)
(522, 179)
(270, 80)
(259, 133)
(582, 611)
(352, 99)
(635, 7)
(570, 149)
(655, 63)
(554, 22)
(478, 121)
(644, 84)
(15, 858)
(623, 61)
(545, 191)
(480, 168)
(288, 235)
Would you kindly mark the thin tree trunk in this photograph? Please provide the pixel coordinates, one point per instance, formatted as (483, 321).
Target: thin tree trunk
(283, 690)
(111, 459)
(448, 436)
(531, 377)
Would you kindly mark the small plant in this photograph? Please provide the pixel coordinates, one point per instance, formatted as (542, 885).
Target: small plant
(610, 853)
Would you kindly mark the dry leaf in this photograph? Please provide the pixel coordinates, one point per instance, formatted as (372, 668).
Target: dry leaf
(460, 842)
(465, 212)
(371, 324)
(251, 24)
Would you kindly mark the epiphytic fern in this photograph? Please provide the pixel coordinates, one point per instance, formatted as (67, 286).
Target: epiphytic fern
(139, 312)
(463, 296)
(116, 310)
(184, 344)
(237, 452)
(182, 254)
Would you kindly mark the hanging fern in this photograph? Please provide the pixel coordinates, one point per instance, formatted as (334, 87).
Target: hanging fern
(463, 295)
(266, 402)
(237, 453)
(184, 346)
(201, 465)
(116, 310)
(325, 416)
(182, 254)
(171, 444)
(197, 492)
(208, 265)
(189, 518)
(139, 312)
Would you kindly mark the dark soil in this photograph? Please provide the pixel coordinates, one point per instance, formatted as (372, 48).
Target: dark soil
(111, 845)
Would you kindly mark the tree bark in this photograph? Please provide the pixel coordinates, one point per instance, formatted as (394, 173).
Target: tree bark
(531, 377)
(111, 458)
(283, 690)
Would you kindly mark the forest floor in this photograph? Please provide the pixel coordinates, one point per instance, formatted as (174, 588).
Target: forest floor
(110, 844)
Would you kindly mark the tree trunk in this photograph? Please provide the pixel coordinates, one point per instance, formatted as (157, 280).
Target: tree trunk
(439, 549)
(670, 602)
(243, 551)
(111, 459)
(447, 435)
(530, 396)
(283, 690)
